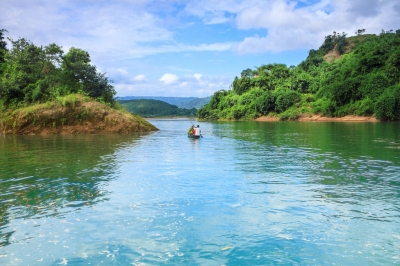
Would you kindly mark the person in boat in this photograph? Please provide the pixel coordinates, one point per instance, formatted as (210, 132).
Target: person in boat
(194, 131)
(191, 130)
(198, 130)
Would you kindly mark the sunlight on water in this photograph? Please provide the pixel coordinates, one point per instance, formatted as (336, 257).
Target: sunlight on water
(246, 193)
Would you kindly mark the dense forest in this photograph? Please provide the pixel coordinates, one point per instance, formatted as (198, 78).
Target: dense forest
(155, 108)
(358, 75)
(33, 74)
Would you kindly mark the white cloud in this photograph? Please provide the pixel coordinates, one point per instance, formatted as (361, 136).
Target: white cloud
(124, 36)
(198, 76)
(299, 24)
(188, 87)
(290, 27)
(169, 78)
(140, 77)
(117, 74)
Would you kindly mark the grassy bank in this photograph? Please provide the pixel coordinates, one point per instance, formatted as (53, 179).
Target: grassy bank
(71, 114)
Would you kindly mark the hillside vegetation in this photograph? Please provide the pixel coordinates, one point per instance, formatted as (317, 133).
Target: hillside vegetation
(359, 76)
(72, 114)
(155, 108)
(180, 102)
(44, 91)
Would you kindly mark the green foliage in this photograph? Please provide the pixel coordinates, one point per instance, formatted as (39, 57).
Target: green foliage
(363, 81)
(290, 114)
(324, 106)
(265, 103)
(29, 74)
(388, 105)
(155, 108)
(285, 99)
(3, 49)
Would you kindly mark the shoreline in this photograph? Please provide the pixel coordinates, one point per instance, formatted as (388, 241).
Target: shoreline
(319, 118)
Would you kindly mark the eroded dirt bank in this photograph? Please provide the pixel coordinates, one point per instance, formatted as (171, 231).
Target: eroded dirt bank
(318, 118)
(80, 116)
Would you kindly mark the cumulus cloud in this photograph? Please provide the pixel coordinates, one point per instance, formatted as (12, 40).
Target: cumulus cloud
(119, 33)
(169, 78)
(140, 77)
(299, 24)
(187, 86)
(291, 27)
(198, 76)
(117, 74)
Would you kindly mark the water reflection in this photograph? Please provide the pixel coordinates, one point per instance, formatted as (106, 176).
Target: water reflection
(274, 193)
(49, 176)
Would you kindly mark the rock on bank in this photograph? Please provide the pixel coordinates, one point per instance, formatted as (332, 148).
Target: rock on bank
(72, 114)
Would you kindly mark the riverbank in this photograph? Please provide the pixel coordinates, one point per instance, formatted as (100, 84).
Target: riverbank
(319, 118)
(72, 114)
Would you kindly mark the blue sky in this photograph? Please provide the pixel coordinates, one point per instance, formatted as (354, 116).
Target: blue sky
(193, 47)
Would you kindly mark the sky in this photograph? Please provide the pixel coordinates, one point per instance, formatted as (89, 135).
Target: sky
(190, 48)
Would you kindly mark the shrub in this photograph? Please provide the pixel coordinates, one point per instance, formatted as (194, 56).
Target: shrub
(373, 85)
(364, 107)
(388, 105)
(265, 103)
(285, 99)
(290, 114)
(324, 106)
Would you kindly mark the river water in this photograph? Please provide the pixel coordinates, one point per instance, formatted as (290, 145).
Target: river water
(246, 193)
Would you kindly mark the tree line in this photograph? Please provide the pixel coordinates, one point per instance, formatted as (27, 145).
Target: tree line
(33, 74)
(358, 75)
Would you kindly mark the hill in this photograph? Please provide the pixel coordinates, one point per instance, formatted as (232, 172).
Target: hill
(155, 108)
(181, 102)
(72, 114)
(346, 76)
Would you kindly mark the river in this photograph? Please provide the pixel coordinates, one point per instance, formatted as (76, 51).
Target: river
(247, 193)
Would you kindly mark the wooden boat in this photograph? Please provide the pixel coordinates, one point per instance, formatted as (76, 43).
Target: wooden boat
(195, 136)
(194, 132)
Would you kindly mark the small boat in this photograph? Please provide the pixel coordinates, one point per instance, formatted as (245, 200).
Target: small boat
(194, 136)
(194, 132)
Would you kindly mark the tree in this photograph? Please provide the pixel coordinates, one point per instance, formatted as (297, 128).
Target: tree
(3, 47)
(360, 31)
(30, 73)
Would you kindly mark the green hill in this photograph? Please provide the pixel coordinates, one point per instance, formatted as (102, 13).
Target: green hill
(195, 103)
(155, 108)
(181, 102)
(359, 75)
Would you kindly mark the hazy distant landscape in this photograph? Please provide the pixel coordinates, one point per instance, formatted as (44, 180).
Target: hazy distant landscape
(181, 102)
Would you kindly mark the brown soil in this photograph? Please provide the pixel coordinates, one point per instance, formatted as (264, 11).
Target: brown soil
(319, 118)
(334, 54)
(82, 116)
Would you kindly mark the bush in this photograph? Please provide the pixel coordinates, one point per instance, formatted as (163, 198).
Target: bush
(285, 99)
(324, 106)
(364, 107)
(237, 112)
(373, 85)
(290, 114)
(388, 105)
(265, 103)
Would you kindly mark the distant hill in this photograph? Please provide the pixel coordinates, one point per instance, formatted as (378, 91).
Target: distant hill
(195, 103)
(181, 102)
(155, 108)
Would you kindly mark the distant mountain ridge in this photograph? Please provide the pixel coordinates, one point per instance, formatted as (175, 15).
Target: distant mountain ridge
(156, 108)
(181, 102)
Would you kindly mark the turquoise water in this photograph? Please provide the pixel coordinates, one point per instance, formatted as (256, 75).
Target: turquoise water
(246, 193)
